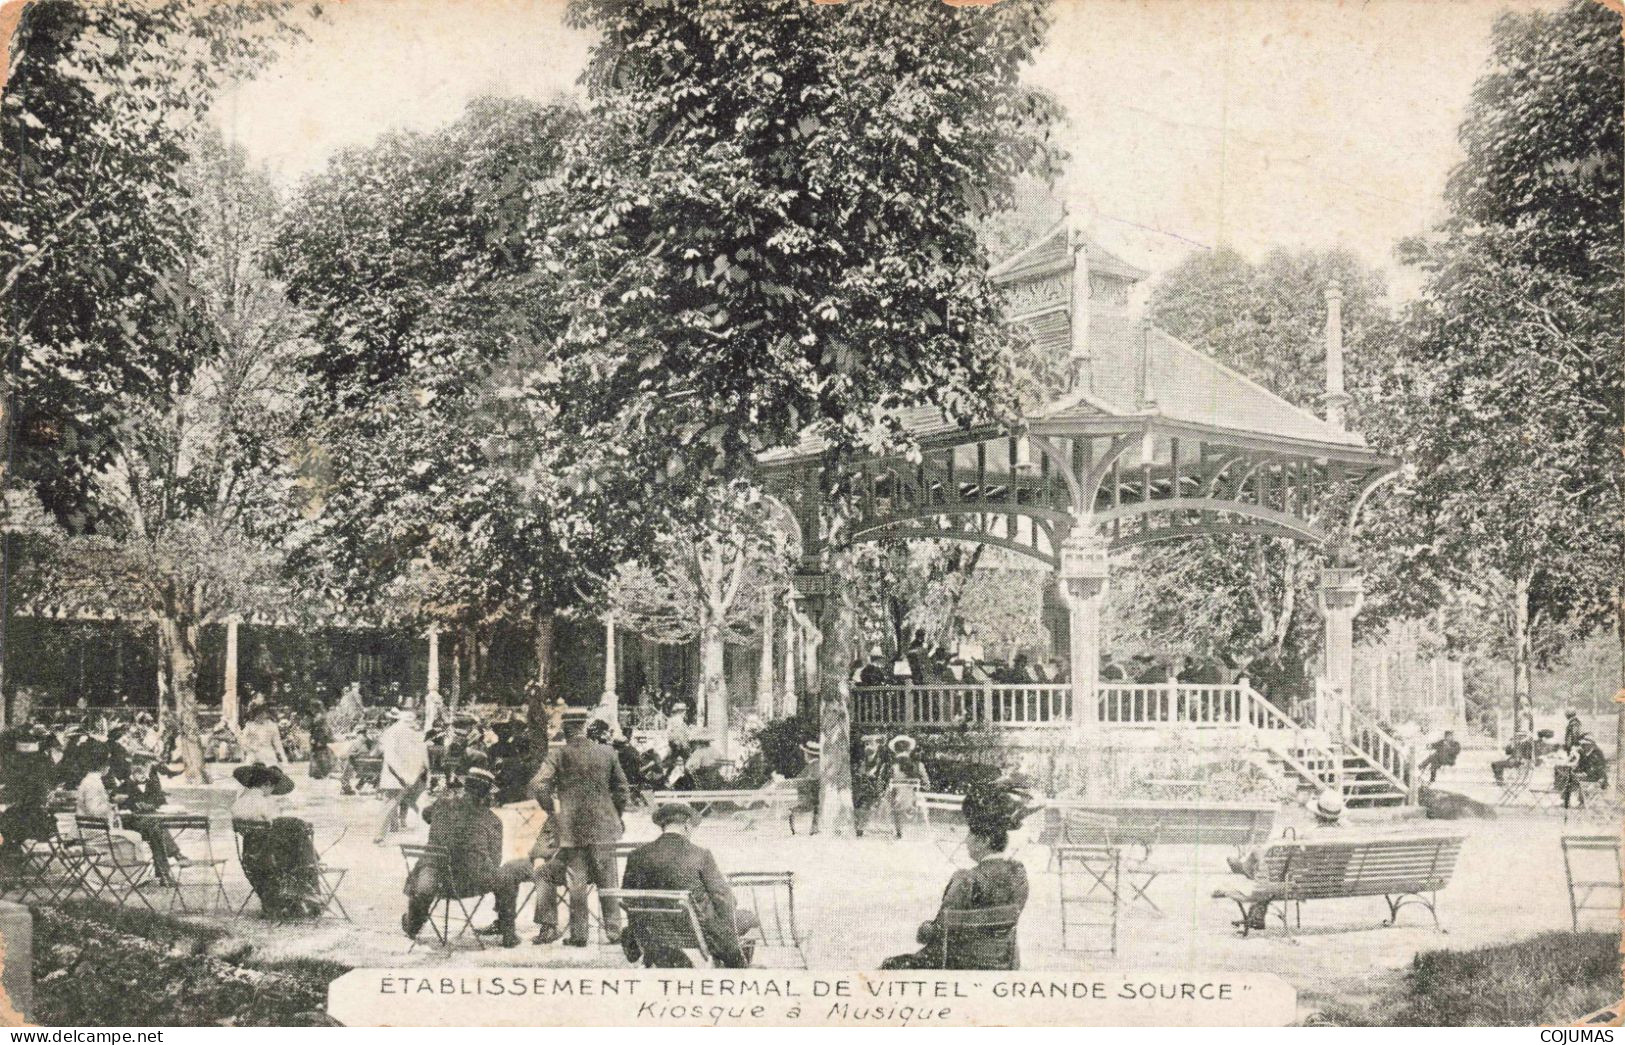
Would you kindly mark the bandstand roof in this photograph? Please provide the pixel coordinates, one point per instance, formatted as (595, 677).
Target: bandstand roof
(1184, 389)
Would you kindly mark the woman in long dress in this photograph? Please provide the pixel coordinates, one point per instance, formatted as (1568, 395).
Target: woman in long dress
(906, 781)
(992, 811)
(279, 854)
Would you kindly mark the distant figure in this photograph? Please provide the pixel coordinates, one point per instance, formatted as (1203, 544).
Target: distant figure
(905, 782)
(1445, 751)
(1519, 753)
(874, 673)
(673, 861)
(405, 773)
(262, 741)
(1572, 731)
(1585, 764)
(808, 784)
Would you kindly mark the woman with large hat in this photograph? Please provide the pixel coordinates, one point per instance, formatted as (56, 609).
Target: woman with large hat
(279, 853)
(992, 811)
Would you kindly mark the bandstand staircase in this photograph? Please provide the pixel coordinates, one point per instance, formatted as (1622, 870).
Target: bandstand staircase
(1349, 751)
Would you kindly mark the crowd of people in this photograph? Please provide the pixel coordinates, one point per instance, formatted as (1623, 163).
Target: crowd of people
(1579, 759)
(934, 664)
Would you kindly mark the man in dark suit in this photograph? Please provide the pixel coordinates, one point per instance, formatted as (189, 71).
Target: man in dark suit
(1572, 731)
(673, 861)
(463, 825)
(582, 788)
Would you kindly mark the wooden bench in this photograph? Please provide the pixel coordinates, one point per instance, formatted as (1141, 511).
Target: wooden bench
(1148, 824)
(1400, 870)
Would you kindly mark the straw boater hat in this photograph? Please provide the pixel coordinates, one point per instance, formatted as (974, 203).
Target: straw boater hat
(903, 744)
(479, 780)
(1328, 806)
(669, 812)
(812, 749)
(257, 775)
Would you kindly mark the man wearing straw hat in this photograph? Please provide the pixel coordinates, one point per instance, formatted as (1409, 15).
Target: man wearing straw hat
(464, 826)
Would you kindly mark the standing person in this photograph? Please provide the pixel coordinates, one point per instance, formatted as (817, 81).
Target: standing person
(262, 740)
(808, 784)
(906, 782)
(462, 823)
(406, 770)
(1572, 730)
(678, 737)
(673, 861)
(582, 787)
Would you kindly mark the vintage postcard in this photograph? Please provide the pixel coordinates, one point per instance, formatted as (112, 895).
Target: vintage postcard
(775, 513)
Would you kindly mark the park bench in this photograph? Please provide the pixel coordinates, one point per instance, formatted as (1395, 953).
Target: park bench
(1148, 824)
(779, 796)
(1400, 870)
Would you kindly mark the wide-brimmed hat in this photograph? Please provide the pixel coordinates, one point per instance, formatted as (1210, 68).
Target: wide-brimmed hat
(903, 744)
(812, 748)
(258, 775)
(674, 811)
(1328, 805)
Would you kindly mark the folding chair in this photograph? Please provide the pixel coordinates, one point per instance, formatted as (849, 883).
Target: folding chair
(986, 938)
(208, 869)
(328, 876)
(1514, 782)
(776, 918)
(46, 871)
(1083, 828)
(663, 920)
(1605, 872)
(119, 864)
(1597, 802)
(1101, 871)
(437, 858)
(595, 918)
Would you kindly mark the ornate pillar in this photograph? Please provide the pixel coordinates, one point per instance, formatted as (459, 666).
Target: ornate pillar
(789, 704)
(1084, 573)
(228, 699)
(610, 699)
(432, 690)
(1341, 593)
(764, 671)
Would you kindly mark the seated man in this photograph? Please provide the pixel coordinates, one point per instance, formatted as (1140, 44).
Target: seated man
(1328, 811)
(464, 826)
(1519, 753)
(364, 746)
(1445, 752)
(1586, 763)
(673, 861)
(92, 800)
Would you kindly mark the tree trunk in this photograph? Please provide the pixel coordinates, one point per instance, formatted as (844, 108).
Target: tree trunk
(1520, 651)
(177, 641)
(838, 623)
(714, 677)
(541, 693)
(764, 668)
(1619, 697)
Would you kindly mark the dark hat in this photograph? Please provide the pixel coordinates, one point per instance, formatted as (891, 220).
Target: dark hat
(670, 812)
(257, 775)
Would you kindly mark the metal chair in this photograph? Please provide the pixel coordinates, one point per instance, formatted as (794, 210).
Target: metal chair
(1092, 831)
(1607, 881)
(120, 866)
(1101, 871)
(595, 918)
(437, 858)
(209, 869)
(986, 938)
(663, 920)
(772, 896)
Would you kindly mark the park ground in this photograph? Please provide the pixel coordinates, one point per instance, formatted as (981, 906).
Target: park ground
(859, 900)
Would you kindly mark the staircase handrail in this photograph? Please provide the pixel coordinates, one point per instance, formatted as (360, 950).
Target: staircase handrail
(1360, 730)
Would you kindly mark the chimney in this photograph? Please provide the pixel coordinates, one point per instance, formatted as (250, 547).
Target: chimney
(1080, 364)
(1335, 398)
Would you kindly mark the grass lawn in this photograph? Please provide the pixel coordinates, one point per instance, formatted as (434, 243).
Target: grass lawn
(1552, 978)
(97, 965)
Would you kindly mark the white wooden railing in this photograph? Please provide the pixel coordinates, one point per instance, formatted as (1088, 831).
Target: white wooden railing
(1392, 756)
(988, 704)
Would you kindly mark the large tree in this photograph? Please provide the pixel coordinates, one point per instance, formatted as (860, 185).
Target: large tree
(771, 228)
(1241, 604)
(1508, 398)
(191, 504)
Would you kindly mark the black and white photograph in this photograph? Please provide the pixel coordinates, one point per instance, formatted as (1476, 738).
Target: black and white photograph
(812, 513)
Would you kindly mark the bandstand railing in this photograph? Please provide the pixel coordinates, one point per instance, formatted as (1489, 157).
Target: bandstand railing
(986, 704)
(1120, 705)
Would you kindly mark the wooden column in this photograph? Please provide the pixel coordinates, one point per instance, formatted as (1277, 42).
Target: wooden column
(611, 699)
(228, 698)
(789, 704)
(432, 690)
(1084, 575)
